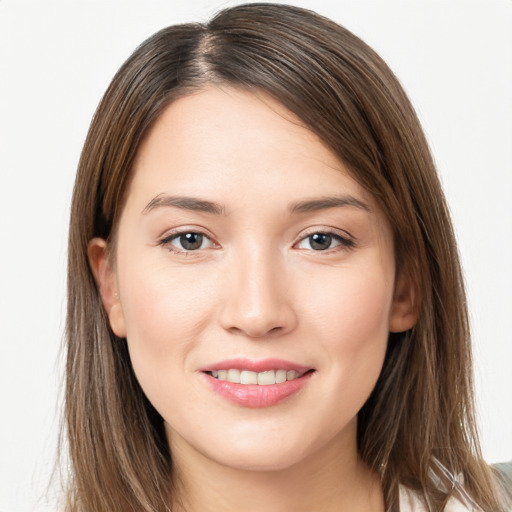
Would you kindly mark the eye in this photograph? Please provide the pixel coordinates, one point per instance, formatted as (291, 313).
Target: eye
(323, 241)
(187, 241)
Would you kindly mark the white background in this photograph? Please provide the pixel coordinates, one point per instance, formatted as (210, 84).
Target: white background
(56, 59)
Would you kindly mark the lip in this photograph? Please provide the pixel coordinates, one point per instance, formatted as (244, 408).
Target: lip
(252, 395)
(263, 365)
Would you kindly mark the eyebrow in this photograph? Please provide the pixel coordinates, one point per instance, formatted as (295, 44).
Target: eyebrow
(202, 205)
(324, 203)
(185, 203)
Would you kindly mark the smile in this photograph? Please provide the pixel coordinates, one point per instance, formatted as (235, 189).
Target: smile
(256, 384)
(265, 378)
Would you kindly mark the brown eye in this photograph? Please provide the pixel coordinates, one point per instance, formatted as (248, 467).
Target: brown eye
(186, 241)
(320, 241)
(190, 241)
(323, 241)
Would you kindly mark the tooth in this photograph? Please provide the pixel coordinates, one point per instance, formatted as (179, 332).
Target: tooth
(280, 376)
(248, 377)
(266, 378)
(233, 376)
(291, 374)
(262, 378)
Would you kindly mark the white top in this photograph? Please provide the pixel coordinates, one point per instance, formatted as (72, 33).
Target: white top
(411, 502)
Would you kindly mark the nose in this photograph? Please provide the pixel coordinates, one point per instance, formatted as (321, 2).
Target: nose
(257, 301)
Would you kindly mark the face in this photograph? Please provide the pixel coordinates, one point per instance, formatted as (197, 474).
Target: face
(254, 280)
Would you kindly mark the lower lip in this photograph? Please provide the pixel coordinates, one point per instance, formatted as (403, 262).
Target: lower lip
(255, 396)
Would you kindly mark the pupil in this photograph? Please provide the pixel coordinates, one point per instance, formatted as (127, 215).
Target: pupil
(191, 241)
(320, 241)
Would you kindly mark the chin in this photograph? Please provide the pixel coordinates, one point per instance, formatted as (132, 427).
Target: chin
(260, 460)
(268, 450)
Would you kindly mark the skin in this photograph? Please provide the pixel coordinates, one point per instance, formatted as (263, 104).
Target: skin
(256, 288)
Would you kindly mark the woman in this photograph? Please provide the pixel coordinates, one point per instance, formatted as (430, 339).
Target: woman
(266, 307)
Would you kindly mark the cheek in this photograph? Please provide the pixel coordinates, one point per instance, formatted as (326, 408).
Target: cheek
(356, 306)
(164, 313)
(352, 326)
(156, 295)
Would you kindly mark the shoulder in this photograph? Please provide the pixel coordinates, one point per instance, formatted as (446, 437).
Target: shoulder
(411, 502)
(505, 470)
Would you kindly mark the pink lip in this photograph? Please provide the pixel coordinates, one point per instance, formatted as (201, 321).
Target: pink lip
(255, 366)
(252, 395)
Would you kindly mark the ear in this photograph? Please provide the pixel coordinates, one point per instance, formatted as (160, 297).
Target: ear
(107, 284)
(404, 309)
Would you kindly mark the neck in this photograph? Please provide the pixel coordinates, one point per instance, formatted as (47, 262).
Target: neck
(333, 479)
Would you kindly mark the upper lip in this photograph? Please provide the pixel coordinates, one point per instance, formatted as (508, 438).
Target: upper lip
(261, 365)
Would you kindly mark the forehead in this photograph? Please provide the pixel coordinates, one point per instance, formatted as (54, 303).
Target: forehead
(220, 140)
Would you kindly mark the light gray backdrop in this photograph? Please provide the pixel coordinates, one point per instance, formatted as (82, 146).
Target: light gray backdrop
(56, 59)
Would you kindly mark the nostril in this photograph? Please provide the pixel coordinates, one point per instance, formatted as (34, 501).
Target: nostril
(255, 315)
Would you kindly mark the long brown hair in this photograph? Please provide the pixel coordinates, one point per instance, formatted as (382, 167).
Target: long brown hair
(420, 416)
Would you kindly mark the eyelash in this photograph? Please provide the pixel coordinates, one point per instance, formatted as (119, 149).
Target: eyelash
(344, 243)
(167, 241)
